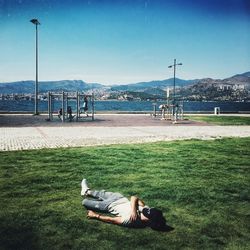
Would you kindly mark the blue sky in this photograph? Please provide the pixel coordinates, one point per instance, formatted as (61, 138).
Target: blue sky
(115, 42)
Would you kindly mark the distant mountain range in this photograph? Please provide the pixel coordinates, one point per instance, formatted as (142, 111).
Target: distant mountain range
(27, 87)
(163, 84)
(237, 86)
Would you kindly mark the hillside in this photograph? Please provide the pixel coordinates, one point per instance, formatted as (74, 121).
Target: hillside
(27, 87)
(235, 88)
(162, 84)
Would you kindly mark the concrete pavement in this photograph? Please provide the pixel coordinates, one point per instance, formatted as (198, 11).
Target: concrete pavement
(37, 137)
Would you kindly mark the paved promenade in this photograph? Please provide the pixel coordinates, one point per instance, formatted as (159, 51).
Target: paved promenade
(54, 135)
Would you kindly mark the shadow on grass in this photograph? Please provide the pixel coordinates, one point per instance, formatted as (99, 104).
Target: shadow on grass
(17, 233)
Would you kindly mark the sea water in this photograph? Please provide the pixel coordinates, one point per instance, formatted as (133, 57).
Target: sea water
(28, 106)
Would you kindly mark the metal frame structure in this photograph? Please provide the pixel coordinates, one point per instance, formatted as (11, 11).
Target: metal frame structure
(65, 97)
(176, 105)
(174, 111)
(169, 112)
(36, 23)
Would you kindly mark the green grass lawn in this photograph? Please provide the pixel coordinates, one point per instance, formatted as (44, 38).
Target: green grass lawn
(201, 186)
(222, 120)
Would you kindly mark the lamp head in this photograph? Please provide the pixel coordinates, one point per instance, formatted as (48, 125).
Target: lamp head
(179, 64)
(35, 21)
(170, 66)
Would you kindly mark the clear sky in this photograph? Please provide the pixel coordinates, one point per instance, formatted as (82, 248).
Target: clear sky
(111, 42)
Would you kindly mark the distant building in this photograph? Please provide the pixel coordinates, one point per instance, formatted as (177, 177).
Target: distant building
(231, 86)
(238, 87)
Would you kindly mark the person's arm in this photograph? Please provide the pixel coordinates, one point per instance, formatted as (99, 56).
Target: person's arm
(114, 220)
(134, 202)
(141, 203)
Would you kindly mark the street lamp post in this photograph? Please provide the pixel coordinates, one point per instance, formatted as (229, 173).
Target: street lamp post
(36, 22)
(170, 66)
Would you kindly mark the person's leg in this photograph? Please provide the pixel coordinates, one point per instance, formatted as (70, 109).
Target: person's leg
(104, 200)
(101, 195)
(96, 205)
(104, 195)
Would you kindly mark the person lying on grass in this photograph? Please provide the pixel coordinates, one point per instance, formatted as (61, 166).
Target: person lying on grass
(133, 213)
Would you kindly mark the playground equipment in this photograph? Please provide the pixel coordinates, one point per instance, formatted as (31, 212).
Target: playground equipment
(169, 111)
(66, 112)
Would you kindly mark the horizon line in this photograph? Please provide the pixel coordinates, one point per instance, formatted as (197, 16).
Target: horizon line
(110, 84)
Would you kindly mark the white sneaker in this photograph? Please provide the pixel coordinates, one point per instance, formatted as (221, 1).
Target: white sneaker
(84, 186)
